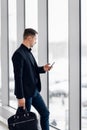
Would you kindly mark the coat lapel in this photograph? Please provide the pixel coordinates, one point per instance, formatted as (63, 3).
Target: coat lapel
(30, 58)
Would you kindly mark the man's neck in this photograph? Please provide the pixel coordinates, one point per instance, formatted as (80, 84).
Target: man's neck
(26, 44)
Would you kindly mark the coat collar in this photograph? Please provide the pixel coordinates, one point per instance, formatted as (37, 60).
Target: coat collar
(26, 48)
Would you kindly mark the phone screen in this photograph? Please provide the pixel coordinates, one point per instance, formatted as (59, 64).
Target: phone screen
(53, 63)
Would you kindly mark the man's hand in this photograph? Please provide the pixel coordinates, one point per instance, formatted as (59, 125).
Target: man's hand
(47, 67)
(21, 103)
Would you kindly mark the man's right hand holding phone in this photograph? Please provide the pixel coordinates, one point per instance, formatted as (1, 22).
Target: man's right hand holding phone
(47, 67)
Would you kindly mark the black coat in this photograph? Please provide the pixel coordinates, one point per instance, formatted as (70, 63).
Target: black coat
(26, 73)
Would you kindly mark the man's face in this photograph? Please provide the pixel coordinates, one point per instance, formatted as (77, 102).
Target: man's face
(32, 40)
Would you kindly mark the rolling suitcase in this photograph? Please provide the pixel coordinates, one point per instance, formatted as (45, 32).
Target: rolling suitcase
(23, 120)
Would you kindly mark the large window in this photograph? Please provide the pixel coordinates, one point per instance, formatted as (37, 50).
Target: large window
(84, 63)
(12, 46)
(30, 22)
(58, 53)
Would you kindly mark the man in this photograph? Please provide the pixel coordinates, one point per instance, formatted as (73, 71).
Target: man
(27, 79)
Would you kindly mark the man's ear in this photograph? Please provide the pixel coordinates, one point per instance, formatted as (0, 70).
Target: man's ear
(29, 37)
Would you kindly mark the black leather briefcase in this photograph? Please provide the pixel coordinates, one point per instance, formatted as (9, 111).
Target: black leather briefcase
(23, 120)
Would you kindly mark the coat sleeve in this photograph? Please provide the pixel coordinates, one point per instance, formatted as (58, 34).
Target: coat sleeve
(18, 63)
(41, 69)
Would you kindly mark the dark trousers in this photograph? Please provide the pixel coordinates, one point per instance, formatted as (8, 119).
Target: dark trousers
(40, 106)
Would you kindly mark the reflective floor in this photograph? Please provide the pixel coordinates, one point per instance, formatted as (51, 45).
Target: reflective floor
(3, 127)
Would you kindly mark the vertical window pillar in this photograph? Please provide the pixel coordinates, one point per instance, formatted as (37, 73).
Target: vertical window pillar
(20, 20)
(74, 63)
(4, 51)
(42, 43)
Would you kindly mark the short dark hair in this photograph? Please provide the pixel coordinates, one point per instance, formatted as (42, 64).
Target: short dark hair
(29, 32)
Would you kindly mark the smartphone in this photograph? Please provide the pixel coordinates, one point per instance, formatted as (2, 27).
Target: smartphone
(52, 64)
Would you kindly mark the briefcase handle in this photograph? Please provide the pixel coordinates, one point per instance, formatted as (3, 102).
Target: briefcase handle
(21, 111)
